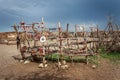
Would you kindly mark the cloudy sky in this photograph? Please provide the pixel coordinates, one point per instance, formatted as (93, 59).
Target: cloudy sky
(88, 12)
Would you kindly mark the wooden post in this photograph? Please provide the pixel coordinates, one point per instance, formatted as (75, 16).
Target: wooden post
(67, 35)
(18, 37)
(60, 41)
(84, 31)
(98, 37)
(76, 35)
(92, 37)
(86, 59)
(42, 24)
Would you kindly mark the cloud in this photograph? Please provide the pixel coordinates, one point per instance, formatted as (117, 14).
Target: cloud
(65, 11)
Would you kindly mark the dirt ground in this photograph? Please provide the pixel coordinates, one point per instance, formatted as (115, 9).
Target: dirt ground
(12, 69)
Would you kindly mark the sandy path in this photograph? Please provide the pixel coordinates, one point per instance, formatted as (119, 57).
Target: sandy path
(6, 53)
(13, 70)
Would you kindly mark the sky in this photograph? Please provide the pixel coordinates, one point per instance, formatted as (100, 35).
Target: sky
(80, 12)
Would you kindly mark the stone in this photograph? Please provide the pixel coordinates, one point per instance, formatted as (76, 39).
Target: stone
(66, 66)
(45, 62)
(62, 67)
(93, 66)
(63, 62)
(21, 61)
(59, 64)
(41, 65)
(27, 61)
(45, 65)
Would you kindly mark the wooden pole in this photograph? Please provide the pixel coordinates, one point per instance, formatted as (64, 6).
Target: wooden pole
(67, 35)
(76, 36)
(43, 42)
(60, 38)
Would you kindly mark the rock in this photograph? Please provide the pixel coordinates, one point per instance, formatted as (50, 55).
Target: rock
(41, 65)
(66, 66)
(45, 65)
(64, 62)
(27, 61)
(59, 64)
(21, 61)
(93, 66)
(45, 62)
(62, 67)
